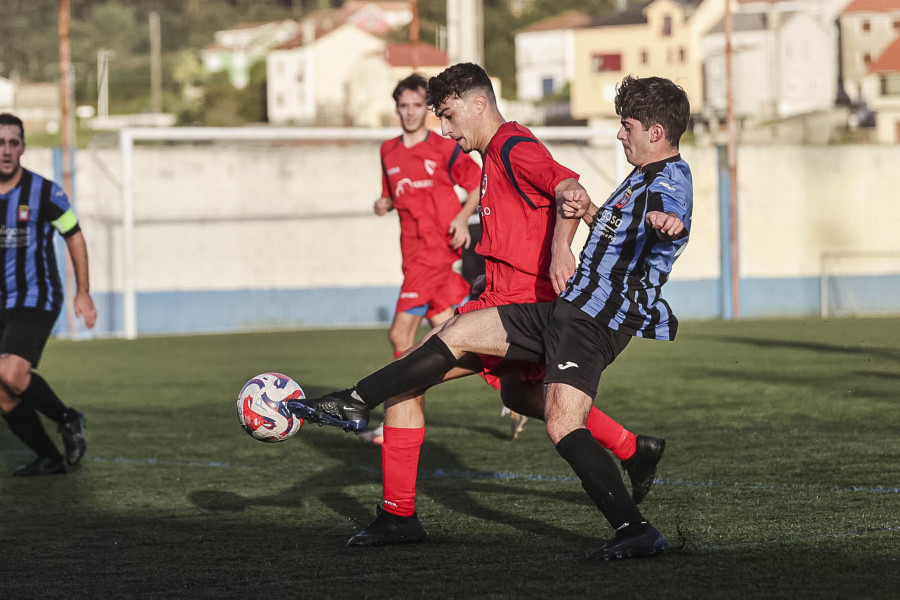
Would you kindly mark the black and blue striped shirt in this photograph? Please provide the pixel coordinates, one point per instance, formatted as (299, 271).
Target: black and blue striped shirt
(32, 211)
(624, 264)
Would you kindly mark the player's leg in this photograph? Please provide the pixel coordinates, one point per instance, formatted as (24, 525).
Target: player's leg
(396, 521)
(635, 537)
(24, 421)
(478, 332)
(573, 337)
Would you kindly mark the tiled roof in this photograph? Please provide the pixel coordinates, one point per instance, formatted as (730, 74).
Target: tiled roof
(889, 61)
(856, 6)
(401, 55)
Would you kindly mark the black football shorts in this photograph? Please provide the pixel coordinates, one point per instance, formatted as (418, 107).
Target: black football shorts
(24, 332)
(575, 348)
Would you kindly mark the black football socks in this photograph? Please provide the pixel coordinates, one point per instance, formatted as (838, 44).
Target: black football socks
(44, 399)
(601, 479)
(25, 423)
(420, 369)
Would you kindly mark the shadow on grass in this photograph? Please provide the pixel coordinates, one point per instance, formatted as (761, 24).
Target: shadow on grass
(457, 496)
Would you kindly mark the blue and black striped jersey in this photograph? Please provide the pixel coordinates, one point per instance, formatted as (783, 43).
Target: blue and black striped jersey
(624, 263)
(32, 210)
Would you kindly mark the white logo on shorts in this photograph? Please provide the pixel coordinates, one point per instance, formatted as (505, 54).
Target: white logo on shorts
(569, 364)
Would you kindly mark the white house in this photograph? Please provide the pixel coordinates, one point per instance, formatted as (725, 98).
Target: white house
(238, 49)
(784, 61)
(307, 76)
(545, 55)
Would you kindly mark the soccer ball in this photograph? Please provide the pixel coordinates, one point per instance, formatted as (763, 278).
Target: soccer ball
(262, 407)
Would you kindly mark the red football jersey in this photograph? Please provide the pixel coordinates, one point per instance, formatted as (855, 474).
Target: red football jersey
(518, 203)
(420, 181)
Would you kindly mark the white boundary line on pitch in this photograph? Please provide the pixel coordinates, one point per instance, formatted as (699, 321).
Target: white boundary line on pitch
(457, 474)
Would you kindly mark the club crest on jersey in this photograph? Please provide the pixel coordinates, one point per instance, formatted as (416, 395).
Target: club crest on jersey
(625, 199)
(430, 166)
(24, 214)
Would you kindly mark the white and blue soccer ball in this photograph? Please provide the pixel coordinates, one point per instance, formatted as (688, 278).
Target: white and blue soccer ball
(262, 407)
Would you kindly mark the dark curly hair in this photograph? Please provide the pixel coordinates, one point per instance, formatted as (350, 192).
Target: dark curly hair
(456, 81)
(10, 119)
(654, 100)
(413, 82)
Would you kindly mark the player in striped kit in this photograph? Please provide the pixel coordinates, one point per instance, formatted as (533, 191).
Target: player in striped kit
(31, 296)
(530, 188)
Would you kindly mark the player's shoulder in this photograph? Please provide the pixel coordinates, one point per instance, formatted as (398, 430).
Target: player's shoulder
(391, 144)
(671, 176)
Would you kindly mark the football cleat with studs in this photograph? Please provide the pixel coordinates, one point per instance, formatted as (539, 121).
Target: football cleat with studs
(642, 545)
(641, 467)
(344, 409)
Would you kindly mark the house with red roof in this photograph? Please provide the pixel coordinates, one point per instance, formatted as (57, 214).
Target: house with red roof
(375, 76)
(308, 78)
(881, 88)
(868, 27)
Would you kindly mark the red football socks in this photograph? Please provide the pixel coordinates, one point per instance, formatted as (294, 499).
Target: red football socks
(400, 466)
(611, 434)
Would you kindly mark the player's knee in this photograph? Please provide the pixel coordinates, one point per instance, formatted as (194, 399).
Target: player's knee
(14, 376)
(401, 338)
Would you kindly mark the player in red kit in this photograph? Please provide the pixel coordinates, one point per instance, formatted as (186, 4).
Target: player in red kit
(528, 258)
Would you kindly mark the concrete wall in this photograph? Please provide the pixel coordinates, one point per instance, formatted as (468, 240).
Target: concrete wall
(248, 236)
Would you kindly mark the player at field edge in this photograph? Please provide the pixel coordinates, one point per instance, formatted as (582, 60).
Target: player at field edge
(31, 297)
(530, 184)
(419, 172)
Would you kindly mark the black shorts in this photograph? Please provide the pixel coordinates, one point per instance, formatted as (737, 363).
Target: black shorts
(24, 332)
(575, 348)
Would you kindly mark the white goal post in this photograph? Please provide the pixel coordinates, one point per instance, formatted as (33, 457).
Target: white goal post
(129, 137)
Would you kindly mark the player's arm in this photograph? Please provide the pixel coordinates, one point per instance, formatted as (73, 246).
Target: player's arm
(83, 304)
(385, 204)
(459, 226)
(562, 260)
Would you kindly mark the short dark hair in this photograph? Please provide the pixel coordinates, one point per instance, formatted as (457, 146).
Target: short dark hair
(11, 119)
(456, 81)
(654, 100)
(413, 82)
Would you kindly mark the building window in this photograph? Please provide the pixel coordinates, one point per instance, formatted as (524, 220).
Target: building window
(645, 57)
(866, 26)
(606, 62)
(896, 27)
(546, 86)
(867, 58)
(667, 26)
(890, 85)
(682, 55)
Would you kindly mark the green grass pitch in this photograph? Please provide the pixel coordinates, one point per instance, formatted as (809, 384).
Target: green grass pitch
(781, 477)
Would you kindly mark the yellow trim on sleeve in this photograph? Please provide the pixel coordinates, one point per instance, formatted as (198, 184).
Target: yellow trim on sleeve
(65, 222)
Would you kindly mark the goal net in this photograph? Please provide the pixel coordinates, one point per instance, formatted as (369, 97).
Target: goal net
(859, 284)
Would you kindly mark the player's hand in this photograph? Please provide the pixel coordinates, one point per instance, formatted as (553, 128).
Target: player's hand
(84, 307)
(562, 266)
(575, 203)
(383, 206)
(459, 233)
(667, 225)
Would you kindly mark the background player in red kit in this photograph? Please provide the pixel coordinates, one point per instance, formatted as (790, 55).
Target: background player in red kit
(419, 171)
(528, 258)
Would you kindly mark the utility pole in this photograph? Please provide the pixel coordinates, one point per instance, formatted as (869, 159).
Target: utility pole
(414, 34)
(732, 164)
(155, 65)
(67, 129)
